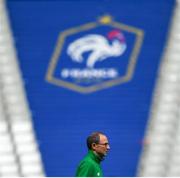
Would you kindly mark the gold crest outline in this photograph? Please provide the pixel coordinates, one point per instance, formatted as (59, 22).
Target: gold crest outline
(105, 20)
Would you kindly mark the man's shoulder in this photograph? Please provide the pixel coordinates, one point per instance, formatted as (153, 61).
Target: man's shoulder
(88, 168)
(87, 161)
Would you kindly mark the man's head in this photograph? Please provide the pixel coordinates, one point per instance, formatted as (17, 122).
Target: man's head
(98, 143)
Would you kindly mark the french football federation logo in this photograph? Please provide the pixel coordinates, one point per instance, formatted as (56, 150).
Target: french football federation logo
(95, 56)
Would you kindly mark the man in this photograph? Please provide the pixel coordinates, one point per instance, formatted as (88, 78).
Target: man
(98, 147)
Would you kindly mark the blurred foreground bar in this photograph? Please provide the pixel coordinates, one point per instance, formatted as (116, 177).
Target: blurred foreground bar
(161, 154)
(19, 154)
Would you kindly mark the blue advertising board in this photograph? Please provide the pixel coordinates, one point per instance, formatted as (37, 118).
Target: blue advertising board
(90, 66)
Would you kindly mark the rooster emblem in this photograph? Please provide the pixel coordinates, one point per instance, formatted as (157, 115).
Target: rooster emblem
(100, 47)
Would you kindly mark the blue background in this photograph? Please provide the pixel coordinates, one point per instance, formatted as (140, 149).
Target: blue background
(64, 118)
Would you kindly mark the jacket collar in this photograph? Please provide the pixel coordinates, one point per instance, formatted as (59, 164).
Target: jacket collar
(94, 157)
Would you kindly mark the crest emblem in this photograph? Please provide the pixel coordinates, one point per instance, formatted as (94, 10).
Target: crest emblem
(95, 56)
(99, 46)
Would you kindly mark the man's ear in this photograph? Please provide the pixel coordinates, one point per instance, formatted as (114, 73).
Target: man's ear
(93, 146)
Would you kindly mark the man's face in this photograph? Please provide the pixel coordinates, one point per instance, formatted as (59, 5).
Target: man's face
(102, 147)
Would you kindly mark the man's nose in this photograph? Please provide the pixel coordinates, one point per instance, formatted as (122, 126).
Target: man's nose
(108, 147)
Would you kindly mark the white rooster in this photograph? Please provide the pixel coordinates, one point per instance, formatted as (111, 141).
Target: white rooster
(99, 47)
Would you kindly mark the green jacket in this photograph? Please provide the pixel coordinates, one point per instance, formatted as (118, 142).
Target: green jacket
(89, 166)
